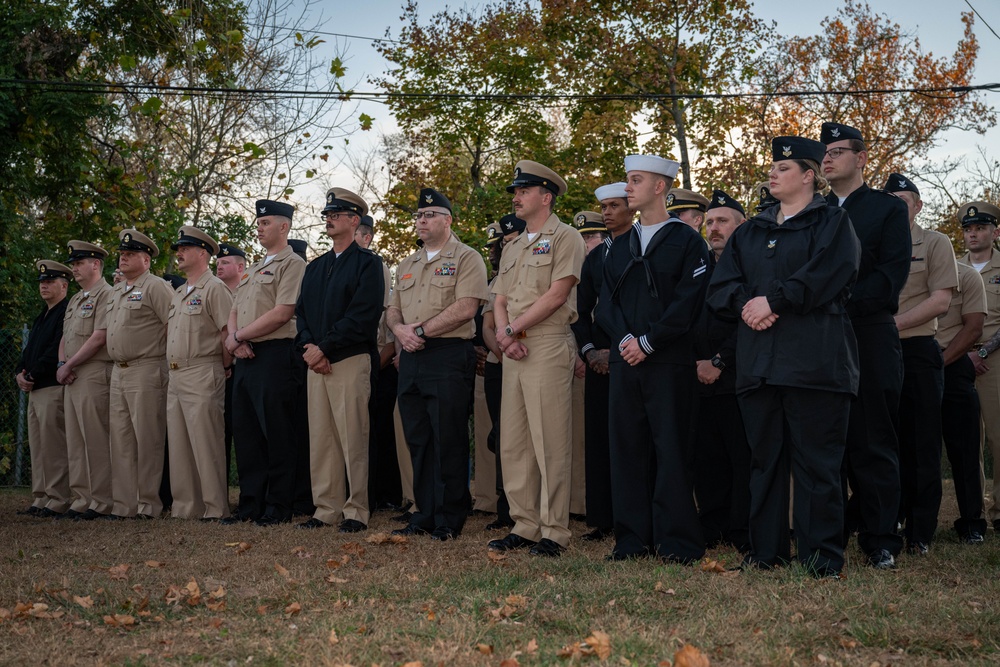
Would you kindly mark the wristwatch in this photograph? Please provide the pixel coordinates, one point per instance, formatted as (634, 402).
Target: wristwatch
(718, 363)
(983, 353)
(419, 331)
(509, 331)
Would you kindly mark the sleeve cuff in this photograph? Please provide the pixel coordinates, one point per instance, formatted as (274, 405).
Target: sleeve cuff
(586, 348)
(624, 342)
(644, 344)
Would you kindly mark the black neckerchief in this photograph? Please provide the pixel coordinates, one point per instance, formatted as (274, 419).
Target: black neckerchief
(635, 248)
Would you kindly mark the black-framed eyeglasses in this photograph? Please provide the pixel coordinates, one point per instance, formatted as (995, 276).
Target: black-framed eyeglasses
(427, 215)
(329, 215)
(835, 153)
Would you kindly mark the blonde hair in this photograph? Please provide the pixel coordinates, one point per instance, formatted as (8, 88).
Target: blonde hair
(819, 181)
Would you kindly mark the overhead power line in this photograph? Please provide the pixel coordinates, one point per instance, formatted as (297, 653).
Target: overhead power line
(980, 16)
(333, 34)
(87, 87)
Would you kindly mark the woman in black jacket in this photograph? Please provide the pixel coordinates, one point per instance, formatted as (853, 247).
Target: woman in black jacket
(786, 276)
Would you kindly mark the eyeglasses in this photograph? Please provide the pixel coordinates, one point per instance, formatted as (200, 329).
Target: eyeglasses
(428, 215)
(835, 153)
(334, 216)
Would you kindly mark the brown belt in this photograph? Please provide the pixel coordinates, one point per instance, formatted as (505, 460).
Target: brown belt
(544, 330)
(190, 363)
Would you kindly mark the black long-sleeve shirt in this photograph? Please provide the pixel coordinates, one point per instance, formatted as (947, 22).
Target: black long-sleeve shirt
(883, 226)
(805, 268)
(589, 335)
(340, 303)
(714, 335)
(654, 296)
(40, 356)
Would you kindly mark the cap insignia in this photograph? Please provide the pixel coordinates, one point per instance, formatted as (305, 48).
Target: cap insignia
(786, 151)
(580, 219)
(491, 232)
(972, 212)
(43, 268)
(835, 132)
(517, 172)
(262, 210)
(127, 238)
(225, 251)
(722, 201)
(180, 234)
(71, 248)
(902, 182)
(670, 200)
(429, 198)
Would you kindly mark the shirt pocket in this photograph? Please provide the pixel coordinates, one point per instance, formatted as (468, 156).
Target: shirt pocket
(442, 292)
(992, 296)
(538, 272)
(406, 291)
(264, 278)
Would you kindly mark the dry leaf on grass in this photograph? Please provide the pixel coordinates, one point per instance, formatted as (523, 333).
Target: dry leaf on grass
(485, 649)
(85, 602)
(510, 662)
(154, 563)
(335, 580)
(293, 609)
(712, 566)
(119, 571)
(119, 620)
(532, 647)
(660, 588)
(333, 638)
(598, 643)
(496, 556)
(512, 605)
(301, 552)
(415, 663)
(240, 546)
(352, 548)
(284, 573)
(690, 656)
(333, 564)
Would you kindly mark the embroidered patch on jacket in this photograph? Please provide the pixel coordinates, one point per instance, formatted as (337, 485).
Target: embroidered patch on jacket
(543, 247)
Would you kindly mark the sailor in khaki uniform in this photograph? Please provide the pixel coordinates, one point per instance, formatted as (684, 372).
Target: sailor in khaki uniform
(535, 304)
(36, 376)
(688, 207)
(196, 328)
(438, 290)
(268, 373)
(925, 295)
(979, 227)
(86, 374)
(137, 316)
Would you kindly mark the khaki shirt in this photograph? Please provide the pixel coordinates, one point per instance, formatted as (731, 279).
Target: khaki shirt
(85, 314)
(197, 317)
(970, 297)
(991, 280)
(136, 319)
(425, 287)
(528, 269)
(488, 308)
(265, 286)
(932, 267)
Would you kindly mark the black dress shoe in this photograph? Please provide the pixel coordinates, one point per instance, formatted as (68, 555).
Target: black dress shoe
(410, 530)
(577, 517)
(352, 526)
(882, 560)
(444, 533)
(71, 515)
(91, 514)
(547, 547)
(312, 523)
(144, 517)
(234, 519)
(917, 548)
(31, 511)
(972, 537)
(404, 517)
(597, 534)
(499, 524)
(510, 543)
(269, 520)
(113, 517)
(475, 512)
(46, 513)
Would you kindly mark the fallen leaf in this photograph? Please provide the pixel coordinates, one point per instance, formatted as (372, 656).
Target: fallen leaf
(660, 588)
(415, 663)
(848, 643)
(301, 552)
(215, 605)
(154, 563)
(283, 572)
(352, 548)
(334, 564)
(600, 642)
(485, 649)
(242, 546)
(335, 580)
(119, 620)
(496, 556)
(711, 566)
(510, 662)
(333, 639)
(193, 593)
(293, 609)
(690, 656)
(377, 538)
(532, 646)
(261, 610)
(85, 602)
(215, 622)
(119, 571)
(398, 539)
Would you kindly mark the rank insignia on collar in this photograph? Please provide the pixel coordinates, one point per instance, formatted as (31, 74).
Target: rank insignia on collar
(786, 151)
(772, 243)
(543, 247)
(835, 132)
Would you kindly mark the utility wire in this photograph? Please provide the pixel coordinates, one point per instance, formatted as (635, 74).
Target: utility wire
(980, 17)
(332, 34)
(94, 87)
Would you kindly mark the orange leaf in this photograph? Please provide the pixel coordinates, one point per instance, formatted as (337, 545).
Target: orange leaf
(690, 656)
(333, 639)
(334, 564)
(352, 548)
(293, 609)
(485, 649)
(119, 571)
(532, 646)
(335, 580)
(86, 602)
(215, 622)
(600, 644)
(711, 566)
(154, 563)
(510, 662)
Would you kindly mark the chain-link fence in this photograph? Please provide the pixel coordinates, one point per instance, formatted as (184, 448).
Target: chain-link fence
(15, 461)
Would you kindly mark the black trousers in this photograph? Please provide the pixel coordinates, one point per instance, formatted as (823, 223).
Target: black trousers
(384, 485)
(266, 390)
(493, 387)
(920, 437)
(302, 505)
(722, 471)
(597, 448)
(802, 432)
(960, 428)
(871, 464)
(229, 423)
(435, 390)
(650, 427)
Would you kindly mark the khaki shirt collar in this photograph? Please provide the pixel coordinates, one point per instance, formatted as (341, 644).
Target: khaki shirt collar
(447, 250)
(548, 229)
(282, 255)
(204, 278)
(139, 282)
(917, 234)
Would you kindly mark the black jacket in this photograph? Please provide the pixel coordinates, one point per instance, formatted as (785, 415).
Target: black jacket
(805, 267)
(40, 355)
(656, 296)
(883, 226)
(589, 335)
(340, 303)
(715, 335)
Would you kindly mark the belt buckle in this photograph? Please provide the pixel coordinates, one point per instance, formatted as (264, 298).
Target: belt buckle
(122, 364)
(174, 365)
(522, 334)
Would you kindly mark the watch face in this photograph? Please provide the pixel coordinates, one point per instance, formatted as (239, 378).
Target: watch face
(983, 353)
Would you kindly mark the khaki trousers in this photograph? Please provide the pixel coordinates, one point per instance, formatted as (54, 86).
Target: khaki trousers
(138, 434)
(196, 398)
(536, 436)
(578, 474)
(405, 462)
(338, 439)
(484, 480)
(988, 387)
(47, 442)
(88, 443)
